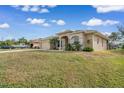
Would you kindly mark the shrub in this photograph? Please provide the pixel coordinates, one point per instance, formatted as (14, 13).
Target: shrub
(54, 42)
(73, 47)
(87, 49)
(122, 46)
(68, 47)
(76, 46)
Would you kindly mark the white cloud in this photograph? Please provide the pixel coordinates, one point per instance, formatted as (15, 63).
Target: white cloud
(15, 6)
(108, 8)
(44, 10)
(29, 19)
(52, 6)
(35, 21)
(4, 25)
(46, 24)
(59, 22)
(25, 8)
(34, 8)
(49, 6)
(99, 22)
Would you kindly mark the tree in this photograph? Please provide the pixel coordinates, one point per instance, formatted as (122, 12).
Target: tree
(54, 42)
(9, 42)
(114, 36)
(23, 41)
(2, 43)
(121, 29)
(114, 40)
(122, 46)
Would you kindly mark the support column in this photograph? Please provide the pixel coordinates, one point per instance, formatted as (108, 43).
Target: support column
(93, 41)
(60, 44)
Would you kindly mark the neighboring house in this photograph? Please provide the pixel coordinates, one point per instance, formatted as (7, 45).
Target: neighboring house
(42, 43)
(87, 38)
(36, 43)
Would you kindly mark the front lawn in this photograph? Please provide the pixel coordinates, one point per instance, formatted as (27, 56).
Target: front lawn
(62, 69)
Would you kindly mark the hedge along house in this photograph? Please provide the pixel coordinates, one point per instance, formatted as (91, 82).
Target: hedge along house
(86, 38)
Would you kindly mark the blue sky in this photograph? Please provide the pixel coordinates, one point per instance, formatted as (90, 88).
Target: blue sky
(41, 21)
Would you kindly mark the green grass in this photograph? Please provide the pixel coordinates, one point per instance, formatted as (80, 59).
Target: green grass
(62, 69)
(8, 49)
(4, 49)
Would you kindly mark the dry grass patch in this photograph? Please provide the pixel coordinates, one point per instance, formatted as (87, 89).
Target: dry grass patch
(61, 69)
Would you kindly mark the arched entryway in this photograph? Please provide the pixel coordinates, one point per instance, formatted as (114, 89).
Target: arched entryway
(64, 42)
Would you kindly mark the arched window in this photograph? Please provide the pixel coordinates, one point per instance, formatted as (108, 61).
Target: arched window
(75, 39)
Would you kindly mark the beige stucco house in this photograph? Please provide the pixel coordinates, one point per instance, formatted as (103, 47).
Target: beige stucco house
(36, 43)
(87, 38)
(42, 43)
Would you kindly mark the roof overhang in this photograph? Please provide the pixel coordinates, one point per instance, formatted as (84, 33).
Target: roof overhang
(64, 32)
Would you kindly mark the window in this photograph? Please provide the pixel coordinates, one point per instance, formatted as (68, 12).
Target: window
(75, 39)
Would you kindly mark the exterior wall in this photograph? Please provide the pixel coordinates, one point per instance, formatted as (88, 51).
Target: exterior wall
(88, 40)
(92, 40)
(81, 38)
(36, 44)
(61, 41)
(80, 35)
(45, 44)
(99, 43)
(70, 35)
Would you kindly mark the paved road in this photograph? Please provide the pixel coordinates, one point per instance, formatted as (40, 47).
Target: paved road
(20, 50)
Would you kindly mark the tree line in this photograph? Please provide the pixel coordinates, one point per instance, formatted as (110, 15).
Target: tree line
(116, 39)
(11, 42)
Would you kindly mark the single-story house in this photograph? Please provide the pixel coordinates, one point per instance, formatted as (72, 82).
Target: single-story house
(86, 38)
